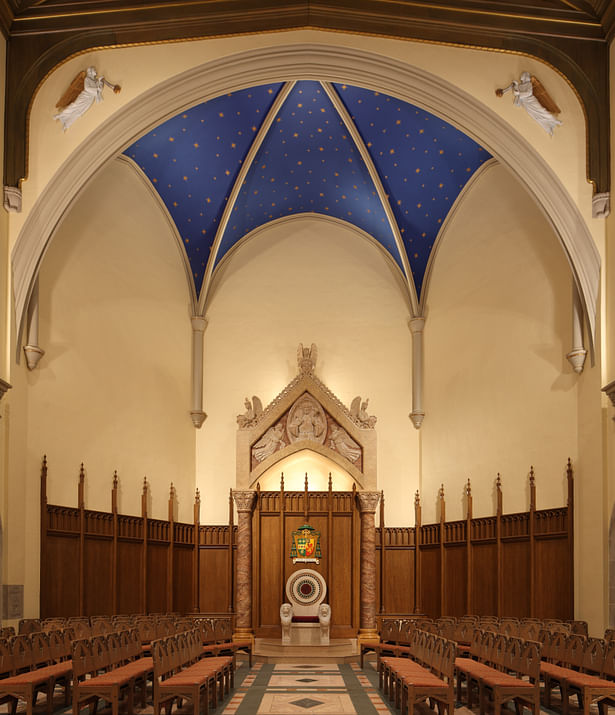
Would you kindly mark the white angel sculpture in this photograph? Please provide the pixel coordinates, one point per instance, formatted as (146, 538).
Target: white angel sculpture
(530, 94)
(358, 410)
(306, 357)
(85, 89)
(253, 410)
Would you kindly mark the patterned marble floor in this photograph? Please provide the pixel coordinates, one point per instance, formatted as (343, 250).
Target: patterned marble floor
(286, 689)
(281, 689)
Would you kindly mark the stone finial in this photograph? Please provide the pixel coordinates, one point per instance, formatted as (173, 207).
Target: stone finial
(244, 499)
(368, 501)
(306, 358)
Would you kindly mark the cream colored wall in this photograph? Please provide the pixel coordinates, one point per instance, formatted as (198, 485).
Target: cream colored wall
(499, 393)
(113, 389)
(307, 280)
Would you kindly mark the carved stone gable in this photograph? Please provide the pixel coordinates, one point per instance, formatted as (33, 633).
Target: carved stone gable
(306, 415)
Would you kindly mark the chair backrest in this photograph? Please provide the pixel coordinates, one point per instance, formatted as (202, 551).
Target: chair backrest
(7, 666)
(41, 654)
(22, 652)
(593, 656)
(29, 625)
(81, 655)
(579, 627)
(575, 647)
(529, 631)
(608, 668)
(509, 626)
(102, 625)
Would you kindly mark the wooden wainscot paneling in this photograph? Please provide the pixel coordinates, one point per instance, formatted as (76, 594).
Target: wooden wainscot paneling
(95, 562)
(214, 594)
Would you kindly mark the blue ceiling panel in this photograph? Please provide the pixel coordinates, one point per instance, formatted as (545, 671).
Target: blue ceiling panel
(308, 162)
(193, 160)
(423, 163)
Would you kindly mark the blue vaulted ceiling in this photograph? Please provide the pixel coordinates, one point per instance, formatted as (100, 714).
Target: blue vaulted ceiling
(381, 164)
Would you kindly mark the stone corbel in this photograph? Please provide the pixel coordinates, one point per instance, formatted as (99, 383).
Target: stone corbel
(576, 357)
(4, 387)
(32, 349)
(416, 326)
(610, 392)
(198, 329)
(12, 199)
(601, 205)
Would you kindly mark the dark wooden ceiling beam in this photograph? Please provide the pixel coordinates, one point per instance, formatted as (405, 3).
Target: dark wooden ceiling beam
(567, 34)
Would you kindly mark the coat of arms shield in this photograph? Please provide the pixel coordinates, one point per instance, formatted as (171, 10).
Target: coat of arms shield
(305, 548)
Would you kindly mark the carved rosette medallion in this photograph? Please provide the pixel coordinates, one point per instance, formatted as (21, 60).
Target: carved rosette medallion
(306, 421)
(244, 499)
(368, 501)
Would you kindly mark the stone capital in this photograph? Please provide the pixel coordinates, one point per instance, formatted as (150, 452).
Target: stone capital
(244, 499)
(368, 501)
(416, 325)
(199, 323)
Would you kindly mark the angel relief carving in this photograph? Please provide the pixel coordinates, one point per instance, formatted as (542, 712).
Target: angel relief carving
(529, 93)
(270, 442)
(306, 420)
(84, 90)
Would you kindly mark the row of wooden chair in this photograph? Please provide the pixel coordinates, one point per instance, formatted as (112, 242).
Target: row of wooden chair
(86, 626)
(109, 667)
(501, 668)
(31, 664)
(427, 674)
(182, 672)
(579, 666)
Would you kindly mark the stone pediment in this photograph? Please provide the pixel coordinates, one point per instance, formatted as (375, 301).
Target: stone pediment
(306, 414)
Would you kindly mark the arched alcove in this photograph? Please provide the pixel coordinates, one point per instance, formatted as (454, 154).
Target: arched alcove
(310, 464)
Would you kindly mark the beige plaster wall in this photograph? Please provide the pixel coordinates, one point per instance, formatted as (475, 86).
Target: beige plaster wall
(499, 393)
(113, 389)
(307, 280)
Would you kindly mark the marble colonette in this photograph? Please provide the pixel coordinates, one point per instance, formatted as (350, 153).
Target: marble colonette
(368, 501)
(244, 501)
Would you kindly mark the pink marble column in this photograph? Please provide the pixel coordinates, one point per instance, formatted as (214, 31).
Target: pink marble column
(368, 501)
(244, 501)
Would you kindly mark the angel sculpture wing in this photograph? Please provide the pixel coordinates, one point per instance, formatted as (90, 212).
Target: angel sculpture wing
(257, 406)
(543, 96)
(355, 406)
(313, 353)
(71, 94)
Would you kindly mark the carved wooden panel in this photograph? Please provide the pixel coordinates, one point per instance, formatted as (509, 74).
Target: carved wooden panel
(430, 581)
(516, 578)
(484, 578)
(455, 580)
(182, 579)
(129, 570)
(59, 577)
(97, 564)
(213, 580)
(399, 578)
(553, 574)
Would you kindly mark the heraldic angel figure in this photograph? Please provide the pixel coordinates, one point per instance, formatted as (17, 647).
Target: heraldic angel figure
(85, 89)
(530, 94)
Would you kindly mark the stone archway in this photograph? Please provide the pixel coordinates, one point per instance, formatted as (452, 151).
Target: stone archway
(329, 63)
